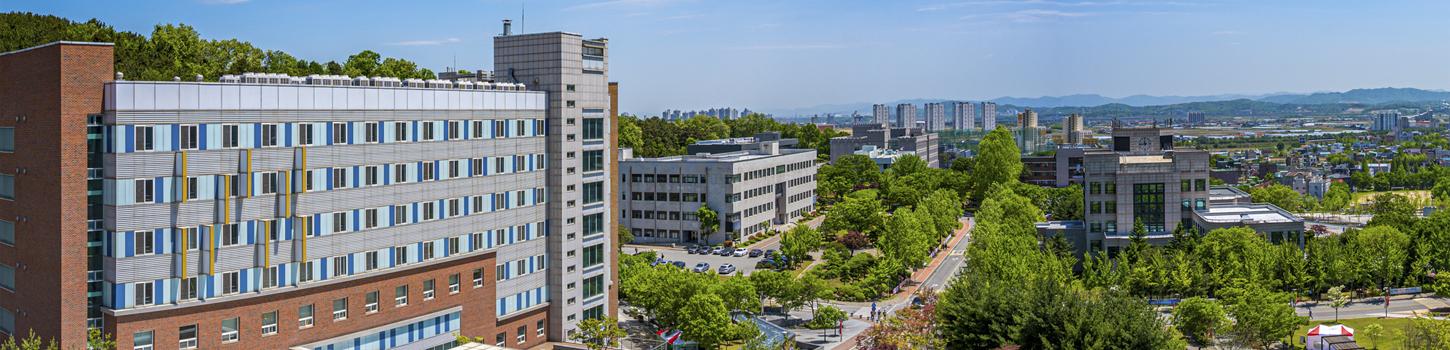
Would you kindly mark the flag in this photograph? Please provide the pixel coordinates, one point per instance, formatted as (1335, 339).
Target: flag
(673, 337)
(661, 332)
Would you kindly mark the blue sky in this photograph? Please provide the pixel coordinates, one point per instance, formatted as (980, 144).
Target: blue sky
(689, 54)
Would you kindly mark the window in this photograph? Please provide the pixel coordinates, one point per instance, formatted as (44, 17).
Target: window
(370, 218)
(187, 337)
(269, 277)
(339, 222)
(145, 190)
(269, 135)
(370, 260)
(455, 130)
(7, 186)
(192, 188)
(593, 128)
(593, 192)
(453, 282)
(339, 133)
(593, 286)
(400, 255)
(304, 272)
(187, 288)
(339, 265)
(230, 137)
(141, 340)
(500, 272)
(400, 173)
(269, 323)
(231, 282)
(189, 138)
(372, 302)
(339, 309)
(428, 131)
(477, 129)
(144, 138)
(269, 183)
(145, 243)
(400, 296)
(400, 131)
(593, 255)
(539, 328)
(372, 175)
(477, 278)
(500, 340)
(304, 134)
(519, 126)
(593, 224)
(230, 235)
(230, 329)
(593, 160)
(428, 290)
(523, 330)
(370, 132)
(339, 178)
(304, 316)
(428, 170)
(145, 292)
(594, 312)
(428, 251)
(453, 243)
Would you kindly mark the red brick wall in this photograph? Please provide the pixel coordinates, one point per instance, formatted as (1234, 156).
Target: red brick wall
(613, 302)
(477, 317)
(55, 88)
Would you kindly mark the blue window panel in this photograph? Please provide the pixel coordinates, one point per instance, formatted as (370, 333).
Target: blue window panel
(209, 281)
(119, 296)
(251, 232)
(356, 176)
(175, 136)
(437, 326)
(511, 235)
(130, 138)
(356, 219)
(327, 178)
(502, 308)
(418, 253)
(246, 282)
(445, 128)
(328, 132)
(130, 239)
(414, 128)
(350, 264)
(410, 332)
(392, 216)
(437, 169)
(324, 268)
(256, 135)
(283, 274)
(287, 134)
(387, 174)
(351, 134)
(201, 136)
(356, 343)
(466, 204)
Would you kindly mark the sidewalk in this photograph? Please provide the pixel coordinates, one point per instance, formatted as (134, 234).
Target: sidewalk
(912, 285)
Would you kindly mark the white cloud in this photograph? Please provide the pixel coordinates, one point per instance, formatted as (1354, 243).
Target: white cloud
(432, 42)
(1225, 32)
(224, 2)
(1037, 15)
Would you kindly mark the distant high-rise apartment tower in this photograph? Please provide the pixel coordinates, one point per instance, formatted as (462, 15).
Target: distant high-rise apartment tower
(1386, 121)
(906, 115)
(964, 116)
(936, 117)
(1027, 119)
(1074, 127)
(1195, 118)
(880, 114)
(989, 116)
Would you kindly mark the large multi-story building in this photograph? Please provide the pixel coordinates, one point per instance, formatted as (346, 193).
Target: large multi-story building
(321, 212)
(1028, 134)
(1073, 126)
(1027, 118)
(1196, 118)
(880, 114)
(936, 117)
(964, 116)
(906, 115)
(751, 189)
(989, 116)
(886, 138)
(1386, 121)
(1143, 178)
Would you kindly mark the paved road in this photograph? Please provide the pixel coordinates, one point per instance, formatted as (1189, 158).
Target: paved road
(1405, 306)
(743, 265)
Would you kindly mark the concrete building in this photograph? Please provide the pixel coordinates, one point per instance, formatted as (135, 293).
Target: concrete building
(1061, 169)
(1143, 178)
(1195, 118)
(989, 116)
(1386, 121)
(880, 114)
(269, 211)
(1028, 134)
(936, 117)
(751, 190)
(880, 136)
(1073, 126)
(1027, 119)
(906, 115)
(964, 116)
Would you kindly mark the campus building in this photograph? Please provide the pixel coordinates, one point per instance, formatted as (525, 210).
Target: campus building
(1143, 178)
(883, 137)
(751, 188)
(320, 212)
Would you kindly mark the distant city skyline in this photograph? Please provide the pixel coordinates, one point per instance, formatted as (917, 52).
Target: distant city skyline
(788, 55)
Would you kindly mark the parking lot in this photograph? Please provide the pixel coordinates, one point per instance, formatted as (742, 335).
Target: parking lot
(743, 264)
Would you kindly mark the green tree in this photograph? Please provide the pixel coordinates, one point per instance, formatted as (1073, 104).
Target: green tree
(709, 220)
(1373, 332)
(826, 317)
(738, 294)
(999, 162)
(1394, 210)
(1227, 255)
(798, 242)
(907, 237)
(1381, 251)
(30, 342)
(865, 215)
(1338, 298)
(771, 284)
(363, 63)
(1261, 318)
(1137, 241)
(599, 333)
(1283, 196)
(630, 135)
(1199, 319)
(1337, 198)
(703, 127)
(702, 318)
(625, 236)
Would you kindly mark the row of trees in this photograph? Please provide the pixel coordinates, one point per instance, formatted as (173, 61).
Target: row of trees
(179, 51)
(655, 137)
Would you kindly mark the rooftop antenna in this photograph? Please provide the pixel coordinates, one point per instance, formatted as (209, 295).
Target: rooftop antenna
(522, 8)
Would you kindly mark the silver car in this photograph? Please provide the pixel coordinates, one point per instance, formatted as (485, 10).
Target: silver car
(726, 269)
(702, 267)
(741, 251)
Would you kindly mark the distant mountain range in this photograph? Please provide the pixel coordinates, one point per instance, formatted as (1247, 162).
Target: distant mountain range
(1086, 101)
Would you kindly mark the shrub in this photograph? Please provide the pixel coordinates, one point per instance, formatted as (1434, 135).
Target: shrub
(826, 316)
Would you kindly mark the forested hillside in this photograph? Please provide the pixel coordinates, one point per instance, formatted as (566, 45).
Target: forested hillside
(179, 51)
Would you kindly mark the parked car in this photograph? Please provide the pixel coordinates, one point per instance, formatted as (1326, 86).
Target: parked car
(769, 252)
(720, 250)
(679, 264)
(726, 269)
(755, 253)
(658, 261)
(724, 251)
(694, 249)
(741, 251)
(702, 267)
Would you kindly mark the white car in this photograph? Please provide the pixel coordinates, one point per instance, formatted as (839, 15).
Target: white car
(741, 251)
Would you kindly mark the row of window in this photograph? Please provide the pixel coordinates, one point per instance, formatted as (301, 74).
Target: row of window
(663, 178)
(671, 234)
(1107, 207)
(807, 195)
(169, 189)
(1102, 188)
(181, 137)
(1187, 185)
(668, 197)
(520, 268)
(751, 193)
(663, 215)
(801, 180)
(230, 330)
(147, 242)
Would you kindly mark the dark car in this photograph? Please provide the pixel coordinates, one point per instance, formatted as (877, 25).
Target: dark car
(657, 262)
(769, 252)
(724, 251)
(679, 264)
(694, 249)
(755, 253)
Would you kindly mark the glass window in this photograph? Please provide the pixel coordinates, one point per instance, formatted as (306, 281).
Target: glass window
(144, 138)
(428, 290)
(304, 316)
(593, 192)
(230, 329)
(593, 286)
(371, 305)
(304, 134)
(7, 186)
(189, 138)
(453, 282)
(141, 340)
(594, 160)
(593, 128)
(400, 296)
(593, 255)
(230, 136)
(593, 224)
(339, 309)
(187, 337)
(269, 323)
(269, 135)
(7, 139)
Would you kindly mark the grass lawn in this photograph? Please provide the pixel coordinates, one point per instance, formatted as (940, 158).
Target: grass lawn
(1392, 337)
(1418, 197)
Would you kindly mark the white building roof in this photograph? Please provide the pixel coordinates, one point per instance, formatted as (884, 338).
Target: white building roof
(1247, 214)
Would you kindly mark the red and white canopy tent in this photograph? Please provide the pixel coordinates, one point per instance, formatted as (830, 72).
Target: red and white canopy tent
(1311, 339)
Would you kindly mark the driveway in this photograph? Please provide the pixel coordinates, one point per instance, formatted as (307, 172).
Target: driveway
(743, 264)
